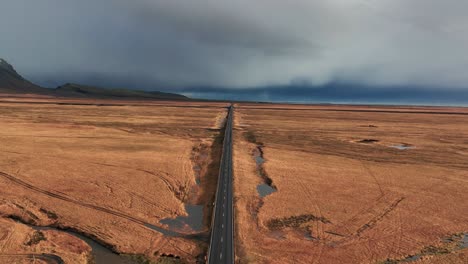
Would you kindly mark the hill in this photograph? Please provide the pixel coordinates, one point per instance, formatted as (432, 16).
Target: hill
(11, 82)
(71, 89)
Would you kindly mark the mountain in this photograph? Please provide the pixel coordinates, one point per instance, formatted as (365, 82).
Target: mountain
(13, 83)
(77, 90)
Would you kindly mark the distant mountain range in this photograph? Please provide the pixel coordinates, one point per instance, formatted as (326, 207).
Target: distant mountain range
(76, 90)
(13, 83)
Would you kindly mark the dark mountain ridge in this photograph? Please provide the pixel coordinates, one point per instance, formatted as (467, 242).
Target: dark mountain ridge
(11, 82)
(71, 89)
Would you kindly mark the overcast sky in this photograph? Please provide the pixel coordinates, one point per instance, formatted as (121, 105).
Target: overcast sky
(238, 44)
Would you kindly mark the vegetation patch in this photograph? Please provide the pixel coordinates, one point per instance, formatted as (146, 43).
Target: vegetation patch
(37, 237)
(294, 221)
(368, 141)
(451, 244)
(432, 250)
(50, 214)
(169, 259)
(252, 138)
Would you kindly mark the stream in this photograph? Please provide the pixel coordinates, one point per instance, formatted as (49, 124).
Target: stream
(101, 254)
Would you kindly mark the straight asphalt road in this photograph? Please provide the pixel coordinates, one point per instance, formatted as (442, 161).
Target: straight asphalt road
(222, 239)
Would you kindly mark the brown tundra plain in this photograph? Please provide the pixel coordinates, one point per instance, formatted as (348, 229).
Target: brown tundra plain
(136, 177)
(84, 179)
(351, 184)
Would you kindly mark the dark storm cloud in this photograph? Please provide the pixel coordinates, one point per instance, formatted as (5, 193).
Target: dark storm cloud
(211, 43)
(336, 93)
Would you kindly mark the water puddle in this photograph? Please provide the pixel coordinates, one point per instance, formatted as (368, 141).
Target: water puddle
(277, 234)
(308, 236)
(192, 222)
(465, 241)
(259, 160)
(197, 172)
(101, 254)
(265, 190)
(402, 146)
(412, 258)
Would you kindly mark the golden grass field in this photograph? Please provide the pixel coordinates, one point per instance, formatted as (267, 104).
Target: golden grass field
(115, 170)
(110, 170)
(344, 195)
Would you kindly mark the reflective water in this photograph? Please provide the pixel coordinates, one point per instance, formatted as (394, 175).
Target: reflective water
(464, 241)
(259, 160)
(264, 189)
(412, 258)
(101, 254)
(193, 220)
(461, 243)
(402, 146)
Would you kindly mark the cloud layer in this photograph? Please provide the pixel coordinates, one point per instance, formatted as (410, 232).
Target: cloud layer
(238, 44)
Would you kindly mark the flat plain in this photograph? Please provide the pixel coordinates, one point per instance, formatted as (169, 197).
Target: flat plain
(351, 184)
(135, 176)
(83, 178)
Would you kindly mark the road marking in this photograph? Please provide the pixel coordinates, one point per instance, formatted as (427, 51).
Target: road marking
(221, 239)
(222, 225)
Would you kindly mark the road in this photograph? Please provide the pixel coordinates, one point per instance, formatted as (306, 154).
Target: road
(222, 239)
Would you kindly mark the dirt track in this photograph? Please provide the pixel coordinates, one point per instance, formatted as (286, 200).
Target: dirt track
(92, 206)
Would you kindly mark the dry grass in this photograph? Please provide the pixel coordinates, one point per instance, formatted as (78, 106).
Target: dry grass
(18, 240)
(340, 199)
(105, 168)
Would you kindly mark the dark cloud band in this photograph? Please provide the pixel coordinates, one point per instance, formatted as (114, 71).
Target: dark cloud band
(238, 44)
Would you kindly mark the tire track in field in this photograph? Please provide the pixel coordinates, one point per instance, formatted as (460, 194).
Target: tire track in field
(92, 206)
(166, 182)
(371, 220)
(7, 237)
(318, 213)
